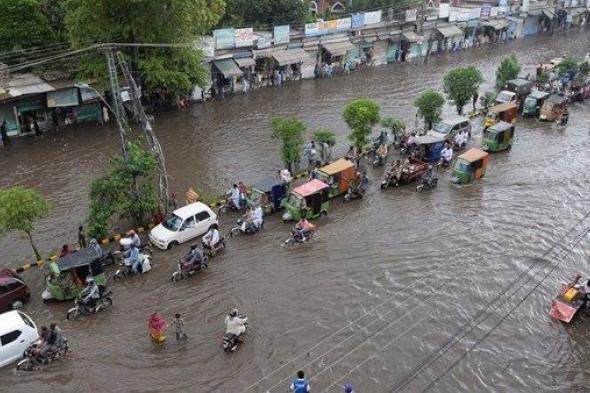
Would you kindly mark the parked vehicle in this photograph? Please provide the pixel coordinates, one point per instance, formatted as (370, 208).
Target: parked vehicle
(449, 126)
(13, 291)
(338, 175)
(309, 200)
(411, 173)
(82, 309)
(68, 274)
(17, 332)
(470, 166)
(497, 137)
(269, 193)
(186, 269)
(568, 301)
(182, 225)
(533, 103)
(32, 355)
(506, 112)
(553, 108)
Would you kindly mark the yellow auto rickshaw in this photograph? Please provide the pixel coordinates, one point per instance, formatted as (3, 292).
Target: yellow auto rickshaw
(506, 112)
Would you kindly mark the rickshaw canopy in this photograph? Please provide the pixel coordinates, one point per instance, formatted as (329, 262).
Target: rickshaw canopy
(83, 257)
(311, 187)
(554, 99)
(337, 167)
(500, 126)
(268, 184)
(503, 107)
(429, 139)
(473, 155)
(538, 95)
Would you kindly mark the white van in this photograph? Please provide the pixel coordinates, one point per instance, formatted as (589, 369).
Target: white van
(183, 225)
(17, 332)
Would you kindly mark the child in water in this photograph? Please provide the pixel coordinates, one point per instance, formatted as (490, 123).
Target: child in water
(179, 324)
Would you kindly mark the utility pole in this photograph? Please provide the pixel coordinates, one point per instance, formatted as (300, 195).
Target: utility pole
(120, 115)
(147, 128)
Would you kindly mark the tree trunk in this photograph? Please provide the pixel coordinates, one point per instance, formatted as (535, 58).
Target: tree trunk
(459, 110)
(37, 255)
(429, 124)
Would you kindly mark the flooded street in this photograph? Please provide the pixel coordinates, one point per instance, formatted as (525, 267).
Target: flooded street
(444, 292)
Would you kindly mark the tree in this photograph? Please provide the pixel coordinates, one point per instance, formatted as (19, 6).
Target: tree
(324, 136)
(461, 84)
(290, 132)
(361, 115)
(23, 25)
(487, 100)
(19, 208)
(263, 13)
(509, 69)
(567, 64)
(396, 125)
(146, 21)
(429, 105)
(127, 190)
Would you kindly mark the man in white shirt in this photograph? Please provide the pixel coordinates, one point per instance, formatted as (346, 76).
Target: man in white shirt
(446, 155)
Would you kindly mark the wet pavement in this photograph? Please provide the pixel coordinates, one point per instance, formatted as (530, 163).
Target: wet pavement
(446, 291)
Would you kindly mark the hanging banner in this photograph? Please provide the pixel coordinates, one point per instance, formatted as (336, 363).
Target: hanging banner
(224, 38)
(525, 5)
(443, 10)
(411, 15)
(372, 18)
(244, 37)
(485, 12)
(357, 21)
(62, 98)
(281, 34)
(327, 27)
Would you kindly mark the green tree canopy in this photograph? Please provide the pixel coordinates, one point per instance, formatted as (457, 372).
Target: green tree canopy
(24, 25)
(429, 105)
(263, 13)
(509, 69)
(145, 21)
(568, 63)
(361, 115)
(19, 208)
(461, 84)
(290, 132)
(325, 136)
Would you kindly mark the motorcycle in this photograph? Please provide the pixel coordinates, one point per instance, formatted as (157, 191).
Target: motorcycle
(427, 184)
(80, 308)
(358, 193)
(186, 269)
(230, 341)
(388, 179)
(126, 268)
(297, 238)
(32, 355)
(219, 247)
(244, 227)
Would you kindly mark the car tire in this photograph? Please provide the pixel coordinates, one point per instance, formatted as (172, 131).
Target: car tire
(17, 304)
(213, 226)
(172, 244)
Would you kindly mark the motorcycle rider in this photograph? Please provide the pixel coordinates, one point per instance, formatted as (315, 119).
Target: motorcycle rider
(304, 228)
(134, 260)
(135, 240)
(91, 293)
(428, 177)
(234, 324)
(95, 246)
(257, 217)
(194, 256)
(211, 239)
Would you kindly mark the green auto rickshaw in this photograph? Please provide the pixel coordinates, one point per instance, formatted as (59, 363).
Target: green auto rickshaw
(309, 200)
(498, 137)
(470, 166)
(67, 276)
(533, 103)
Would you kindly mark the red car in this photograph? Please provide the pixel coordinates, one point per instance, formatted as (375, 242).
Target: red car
(13, 291)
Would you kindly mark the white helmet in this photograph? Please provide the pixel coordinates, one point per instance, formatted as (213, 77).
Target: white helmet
(125, 242)
(89, 280)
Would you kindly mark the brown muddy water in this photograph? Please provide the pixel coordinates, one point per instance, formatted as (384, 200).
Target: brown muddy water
(444, 292)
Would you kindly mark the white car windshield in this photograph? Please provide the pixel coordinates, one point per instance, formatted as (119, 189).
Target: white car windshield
(504, 97)
(442, 127)
(172, 223)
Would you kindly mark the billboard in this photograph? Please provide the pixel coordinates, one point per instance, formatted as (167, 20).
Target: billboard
(224, 38)
(243, 37)
(411, 15)
(372, 18)
(443, 10)
(327, 27)
(281, 34)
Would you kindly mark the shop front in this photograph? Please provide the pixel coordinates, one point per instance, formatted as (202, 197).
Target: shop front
(495, 31)
(333, 56)
(61, 105)
(449, 38)
(289, 62)
(394, 52)
(224, 75)
(411, 45)
(246, 64)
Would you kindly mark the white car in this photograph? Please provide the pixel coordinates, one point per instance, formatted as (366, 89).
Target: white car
(183, 225)
(17, 332)
(506, 96)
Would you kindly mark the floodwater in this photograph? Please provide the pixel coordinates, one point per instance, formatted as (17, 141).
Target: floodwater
(444, 292)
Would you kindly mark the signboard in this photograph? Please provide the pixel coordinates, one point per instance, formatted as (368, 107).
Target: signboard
(327, 27)
(206, 45)
(264, 41)
(88, 94)
(485, 12)
(372, 18)
(474, 13)
(244, 37)
(525, 5)
(411, 15)
(281, 34)
(443, 10)
(61, 98)
(357, 21)
(224, 38)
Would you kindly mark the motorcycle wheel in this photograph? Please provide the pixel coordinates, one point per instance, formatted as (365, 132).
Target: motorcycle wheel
(176, 276)
(107, 302)
(24, 365)
(73, 314)
(235, 231)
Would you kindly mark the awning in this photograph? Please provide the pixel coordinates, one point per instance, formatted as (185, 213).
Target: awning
(245, 62)
(450, 31)
(228, 67)
(290, 56)
(498, 24)
(549, 14)
(411, 36)
(27, 84)
(338, 48)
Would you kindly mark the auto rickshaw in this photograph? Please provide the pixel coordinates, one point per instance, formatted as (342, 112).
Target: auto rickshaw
(533, 102)
(68, 274)
(498, 137)
(269, 193)
(502, 112)
(470, 166)
(309, 200)
(522, 87)
(338, 175)
(429, 147)
(552, 108)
